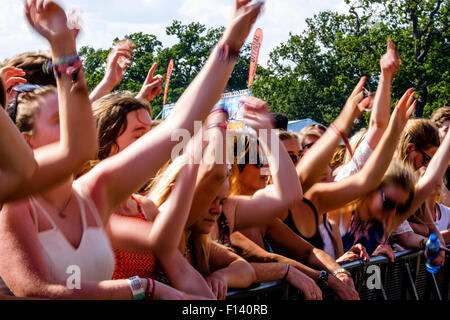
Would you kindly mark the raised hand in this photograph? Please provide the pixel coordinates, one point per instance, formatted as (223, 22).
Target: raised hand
(12, 76)
(242, 20)
(390, 62)
(257, 115)
(152, 86)
(47, 18)
(119, 58)
(403, 109)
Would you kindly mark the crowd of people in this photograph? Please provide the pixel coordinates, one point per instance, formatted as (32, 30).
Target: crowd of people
(96, 203)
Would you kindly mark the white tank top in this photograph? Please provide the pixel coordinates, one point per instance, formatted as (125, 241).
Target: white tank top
(94, 255)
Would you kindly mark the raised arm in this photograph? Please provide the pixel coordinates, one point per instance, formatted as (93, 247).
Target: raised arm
(331, 196)
(78, 142)
(117, 63)
(17, 163)
(273, 200)
(213, 169)
(314, 162)
(379, 118)
(112, 181)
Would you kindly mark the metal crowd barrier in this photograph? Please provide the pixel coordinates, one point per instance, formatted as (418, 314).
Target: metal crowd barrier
(405, 279)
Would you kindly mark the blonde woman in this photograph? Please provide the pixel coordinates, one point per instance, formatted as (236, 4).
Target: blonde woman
(71, 216)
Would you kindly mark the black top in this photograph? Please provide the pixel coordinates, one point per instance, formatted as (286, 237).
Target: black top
(316, 240)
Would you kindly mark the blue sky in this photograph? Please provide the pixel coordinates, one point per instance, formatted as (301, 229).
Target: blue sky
(102, 20)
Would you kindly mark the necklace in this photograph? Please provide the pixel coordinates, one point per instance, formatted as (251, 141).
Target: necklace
(61, 213)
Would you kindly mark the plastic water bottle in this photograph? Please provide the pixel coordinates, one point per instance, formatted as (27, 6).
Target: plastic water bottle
(433, 247)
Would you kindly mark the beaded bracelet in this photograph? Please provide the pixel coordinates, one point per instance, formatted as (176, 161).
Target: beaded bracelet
(149, 293)
(69, 65)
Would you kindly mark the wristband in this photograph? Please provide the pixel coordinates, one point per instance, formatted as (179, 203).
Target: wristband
(217, 110)
(69, 65)
(343, 136)
(136, 288)
(217, 124)
(149, 293)
(341, 270)
(225, 54)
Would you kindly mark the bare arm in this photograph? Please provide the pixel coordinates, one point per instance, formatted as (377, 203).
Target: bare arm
(111, 182)
(330, 196)
(314, 162)
(78, 141)
(276, 198)
(379, 118)
(213, 169)
(17, 163)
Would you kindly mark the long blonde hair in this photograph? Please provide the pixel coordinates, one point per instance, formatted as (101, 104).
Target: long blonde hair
(159, 191)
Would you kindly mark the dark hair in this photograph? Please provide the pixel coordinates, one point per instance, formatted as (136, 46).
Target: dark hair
(280, 121)
(110, 114)
(31, 63)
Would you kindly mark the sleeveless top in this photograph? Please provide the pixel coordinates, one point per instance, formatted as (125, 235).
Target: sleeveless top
(316, 240)
(94, 258)
(368, 233)
(131, 263)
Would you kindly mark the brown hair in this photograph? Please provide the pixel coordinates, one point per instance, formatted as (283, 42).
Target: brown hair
(28, 104)
(440, 116)
(110, 113)
(422, 132)
(287, 135)
(31, 63)
(338, 157)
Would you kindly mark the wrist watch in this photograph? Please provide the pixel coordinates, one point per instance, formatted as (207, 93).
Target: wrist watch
(323, 279)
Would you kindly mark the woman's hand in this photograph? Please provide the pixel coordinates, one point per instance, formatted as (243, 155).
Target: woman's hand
(384, 250)
(12, 76)
(257, 115)
(242, 20)
(152, 86)
(218, 285)
(47, 18)
(356, 252)
(305, 284)
(390, 62)
(403, 110)
(119, 59)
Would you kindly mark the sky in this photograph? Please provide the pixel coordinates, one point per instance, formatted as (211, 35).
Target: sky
(104, 20)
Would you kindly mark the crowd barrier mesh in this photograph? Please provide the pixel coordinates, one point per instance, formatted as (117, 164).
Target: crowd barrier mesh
(404, 279)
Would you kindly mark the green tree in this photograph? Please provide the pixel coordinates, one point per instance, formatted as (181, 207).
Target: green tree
(313, 73)
(194, 45)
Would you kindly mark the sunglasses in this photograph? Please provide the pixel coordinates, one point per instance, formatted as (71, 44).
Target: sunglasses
(426, 158)
(295, 157)
(389, 204)
(22, 88)
(307, 146)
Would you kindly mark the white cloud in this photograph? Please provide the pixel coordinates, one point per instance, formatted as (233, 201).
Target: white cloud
(103, 20)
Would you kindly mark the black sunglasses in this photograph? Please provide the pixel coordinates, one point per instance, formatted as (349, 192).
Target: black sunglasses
(22, 88)
(426, 158)
(389, 204)
(295, 157)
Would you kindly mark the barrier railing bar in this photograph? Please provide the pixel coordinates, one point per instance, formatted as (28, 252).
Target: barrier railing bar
(410, 279)
(436, 287)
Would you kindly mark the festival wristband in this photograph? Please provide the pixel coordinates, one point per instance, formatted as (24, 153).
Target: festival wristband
(222, 125)
(136, 287)
(288, 266)
(343, 136)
